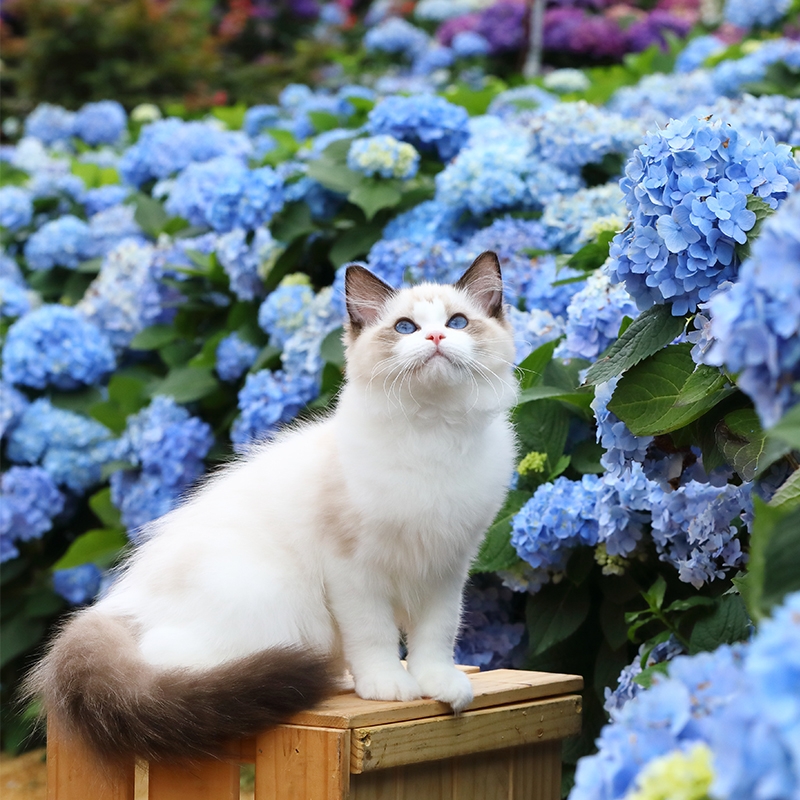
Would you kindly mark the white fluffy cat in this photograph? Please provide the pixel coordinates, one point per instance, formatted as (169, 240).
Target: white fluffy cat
(246, 603)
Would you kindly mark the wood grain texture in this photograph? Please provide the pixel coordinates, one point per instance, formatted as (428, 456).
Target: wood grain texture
(74, 773)
(382, 746)
(495, 688)
(302, 763)
(206, 780)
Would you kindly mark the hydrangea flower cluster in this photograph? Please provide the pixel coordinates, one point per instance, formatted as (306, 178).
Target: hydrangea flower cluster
(557, 519)
(687, 189)
(396, 36)
(729, 76)
(100, 123)
(623, 506)
(78, 585)
(56, 346)
(594, 315)
(755, 323)
(30, 500)
(168, 146)
(234, 357)
(739, 703)
(491, 631)
(286, 310)
(532, 329)
(62, 242)
(697, 50)
(385, 156)
(167, 446)
(759, 117)
(223, 194)
(245, 263)
(16, 207)
(430, 123)
(72, 448)
(761, 13)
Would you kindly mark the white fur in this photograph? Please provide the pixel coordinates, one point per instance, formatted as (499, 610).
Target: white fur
(423, 450)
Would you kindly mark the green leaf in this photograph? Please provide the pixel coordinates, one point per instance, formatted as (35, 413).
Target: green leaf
(531, 369)
(646, 335)
(534, 393)
(91, 266)
(691, 602)
(323, 121)
(337, 177)
(42, 602)
(101, 546)
(496, 551)
(186, 384)
(726, 623)
(586, 458)
(232, 116)
(592, 256)
(19, 635)
(762, 210)
(741, 440)
(154, 337)
(788, 495)
(542, 427)
(781, 555)
(292, 223)
(612, 622)
(654, 596)
(332, 349)
(554, 613)
(372, 196)
(268, 357)
(666, 392)
(354, 243)
(79, 401)
(104, 509)
(150, 215)
(787, 429)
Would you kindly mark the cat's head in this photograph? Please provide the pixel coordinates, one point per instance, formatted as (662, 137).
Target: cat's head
(432, 345)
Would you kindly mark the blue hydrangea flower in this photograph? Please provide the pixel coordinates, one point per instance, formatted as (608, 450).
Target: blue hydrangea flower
(234, 357)
(110, 227)
(532, 329)
(686, 188)
(761, 13)
(30, 500)
(285, 311)
(223, 194)
(78, 585)
(622, 505)
(15, 298)
(62, 242)
(383, 155)
(594, 316)
(696, 51)
(755, 323)
(492, 628)
(469, 44)
(16, 207)
(433, 58)
(126, 297)
(57, 185)
(100, 123)
(558, 518)
(759, 117)
(50, 123)
(12, 404)
(167, 446)
(428, 221)
(170, 145)
(267, 400)
(428, 122)
(301, 352)
(731, 74)
(396, 36)
(56, 346)
(693, 529)
(521, 100)
(72, 448)
(104, 197)
(258, 118)
(246, 264)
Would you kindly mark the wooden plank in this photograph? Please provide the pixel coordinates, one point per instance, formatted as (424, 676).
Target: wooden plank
(302, 763)
(499, 687)
(536, 770)
(205, 780)
(478, 731)
(483, 776)
(75, 773)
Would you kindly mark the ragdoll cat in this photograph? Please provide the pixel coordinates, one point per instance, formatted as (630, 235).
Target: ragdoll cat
(246, 603)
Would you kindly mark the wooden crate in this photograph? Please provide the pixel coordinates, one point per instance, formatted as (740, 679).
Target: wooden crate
(506, 745)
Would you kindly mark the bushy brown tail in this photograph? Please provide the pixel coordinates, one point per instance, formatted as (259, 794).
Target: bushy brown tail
(96, 685)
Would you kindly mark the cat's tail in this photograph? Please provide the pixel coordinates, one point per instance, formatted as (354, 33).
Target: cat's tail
(95, 684)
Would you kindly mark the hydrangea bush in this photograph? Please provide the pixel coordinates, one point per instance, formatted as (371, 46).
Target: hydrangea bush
(172, 292)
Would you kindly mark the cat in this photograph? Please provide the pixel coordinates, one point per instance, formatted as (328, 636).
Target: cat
(313, 553)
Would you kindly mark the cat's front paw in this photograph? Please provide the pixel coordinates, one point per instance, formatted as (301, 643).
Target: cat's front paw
(394, 685)
(447, 684)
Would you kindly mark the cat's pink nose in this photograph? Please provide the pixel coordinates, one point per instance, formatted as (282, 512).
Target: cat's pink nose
(435, 337)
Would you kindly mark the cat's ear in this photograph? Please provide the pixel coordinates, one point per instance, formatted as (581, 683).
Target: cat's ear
(484, 282)
(366, 295)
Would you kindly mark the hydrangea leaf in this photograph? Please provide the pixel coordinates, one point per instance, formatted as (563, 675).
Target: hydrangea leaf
(542, 426)
(762, 210)
(332, 348)
(740, 438)
(782, 559)
(354, 243)
(726, 623)
(293, 222)
(104, 509)
(555, 613)
(591, 256)
(666, 392)
(646, 335)
(19, 635)
(372, 196)
(497, 552)
(531, 370)
(232, 116)
(580, 399)
(150, 215)
(154, 337)
(101, 547)
(787, 429)
(337, 177)
(186, 384)
(788, 495)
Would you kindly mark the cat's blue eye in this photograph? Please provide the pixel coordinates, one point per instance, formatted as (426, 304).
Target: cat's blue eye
(457, 321)
(405, 326)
